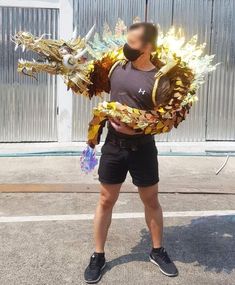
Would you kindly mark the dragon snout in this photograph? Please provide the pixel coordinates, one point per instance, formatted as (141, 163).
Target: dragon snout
(69, 61)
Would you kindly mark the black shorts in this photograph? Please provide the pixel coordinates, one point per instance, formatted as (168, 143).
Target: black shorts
(142, 164)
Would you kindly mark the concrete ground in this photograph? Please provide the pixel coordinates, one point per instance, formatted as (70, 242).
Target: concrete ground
(47, 237)
(61, 173)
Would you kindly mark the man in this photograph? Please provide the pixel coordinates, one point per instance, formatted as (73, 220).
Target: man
(125, 150)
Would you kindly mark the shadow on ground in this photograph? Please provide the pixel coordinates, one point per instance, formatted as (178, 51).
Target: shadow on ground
(208, 242)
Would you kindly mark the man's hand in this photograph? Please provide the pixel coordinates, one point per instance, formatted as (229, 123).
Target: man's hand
(122, 127)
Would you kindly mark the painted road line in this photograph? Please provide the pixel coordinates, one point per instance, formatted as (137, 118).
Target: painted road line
(81, 217)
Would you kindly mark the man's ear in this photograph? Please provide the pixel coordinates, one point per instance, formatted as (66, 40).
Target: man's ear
(153, 48)
(150, 47)
(147, 48)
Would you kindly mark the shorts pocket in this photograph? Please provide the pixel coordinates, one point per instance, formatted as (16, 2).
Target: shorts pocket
(109, 148)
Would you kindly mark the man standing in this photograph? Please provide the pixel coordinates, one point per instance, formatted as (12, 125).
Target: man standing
(126, 150)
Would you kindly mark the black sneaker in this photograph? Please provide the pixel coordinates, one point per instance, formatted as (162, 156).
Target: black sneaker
(163, 261)
(97, 263)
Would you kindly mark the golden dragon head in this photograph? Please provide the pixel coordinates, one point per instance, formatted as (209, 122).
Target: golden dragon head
(58, 57)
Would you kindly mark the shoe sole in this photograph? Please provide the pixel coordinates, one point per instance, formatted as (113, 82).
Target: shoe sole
(168, 274)
(98, 279)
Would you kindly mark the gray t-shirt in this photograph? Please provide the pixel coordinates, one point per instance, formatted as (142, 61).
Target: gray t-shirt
(133, 87)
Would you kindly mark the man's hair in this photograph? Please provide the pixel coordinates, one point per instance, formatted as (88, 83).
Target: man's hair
(150, 32)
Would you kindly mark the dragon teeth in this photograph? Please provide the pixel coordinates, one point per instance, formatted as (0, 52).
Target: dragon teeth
(16, 47)
(22, 61)
(23, 48)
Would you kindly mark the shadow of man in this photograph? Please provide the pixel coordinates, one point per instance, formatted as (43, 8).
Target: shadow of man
(208, 241)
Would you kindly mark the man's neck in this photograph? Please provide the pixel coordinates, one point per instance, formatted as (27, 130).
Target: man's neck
(143, 63)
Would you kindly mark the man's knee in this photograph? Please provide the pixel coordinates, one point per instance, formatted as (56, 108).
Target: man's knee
(107, 203)
(108, 198)
(152, 202)
(149, 196)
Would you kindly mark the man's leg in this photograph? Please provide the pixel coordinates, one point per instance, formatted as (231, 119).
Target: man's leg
(112, 172)
(154, 220)
(153, 213)
(103, 215)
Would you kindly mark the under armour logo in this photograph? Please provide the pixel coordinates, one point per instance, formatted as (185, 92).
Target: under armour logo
(141, 91)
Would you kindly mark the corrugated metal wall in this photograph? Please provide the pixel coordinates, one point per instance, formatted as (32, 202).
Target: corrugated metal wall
(27, 106)
(86, 13)
(221, 93)
(213, 116)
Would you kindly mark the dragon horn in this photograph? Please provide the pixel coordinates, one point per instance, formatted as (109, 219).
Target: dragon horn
(88, 35)
(80, 54)
(74, 35)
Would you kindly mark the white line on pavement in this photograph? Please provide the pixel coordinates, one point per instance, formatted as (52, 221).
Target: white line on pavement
(80, 217)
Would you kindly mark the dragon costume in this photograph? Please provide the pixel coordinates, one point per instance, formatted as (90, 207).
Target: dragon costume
(183, 62)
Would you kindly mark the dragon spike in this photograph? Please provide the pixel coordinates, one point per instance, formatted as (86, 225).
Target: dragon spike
(88, 35)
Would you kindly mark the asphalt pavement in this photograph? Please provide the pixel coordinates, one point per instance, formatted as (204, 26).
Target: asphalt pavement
(46, 237)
